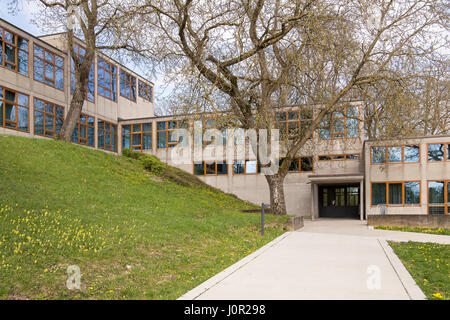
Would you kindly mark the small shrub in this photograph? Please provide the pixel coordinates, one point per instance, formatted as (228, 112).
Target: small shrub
(126, 153)
(153, 165)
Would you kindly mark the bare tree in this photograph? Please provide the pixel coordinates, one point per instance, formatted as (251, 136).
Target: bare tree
(262, 54)
(103, 25)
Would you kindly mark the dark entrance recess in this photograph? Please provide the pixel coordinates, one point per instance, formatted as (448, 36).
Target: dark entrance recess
(339, 201)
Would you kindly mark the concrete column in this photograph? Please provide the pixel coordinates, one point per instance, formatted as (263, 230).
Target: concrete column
(361, 200)
(313, 207)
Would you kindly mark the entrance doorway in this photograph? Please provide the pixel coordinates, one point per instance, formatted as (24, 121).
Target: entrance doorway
(339, 201)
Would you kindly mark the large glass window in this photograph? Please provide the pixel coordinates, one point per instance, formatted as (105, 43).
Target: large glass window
(107, 79)
(245, 167)
(395, 193)
(293, 123)
(137, 137)
(302, 164)
(167, 134)
(48, 67)
(210, 168)
(438, 197)
(412, 153)
(436, 152)
(107, 135)
(14, 109)
(84, 132)
(48, 118)
(145, 91)
(127, 86)
(378, 194)
(13, 52)
(90, 89)
(342, 123)
(395, 154)
(378, 154)
(412, 192)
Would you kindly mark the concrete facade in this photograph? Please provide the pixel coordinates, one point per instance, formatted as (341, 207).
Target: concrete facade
(339, 181)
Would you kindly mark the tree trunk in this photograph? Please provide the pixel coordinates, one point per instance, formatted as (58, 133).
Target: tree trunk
(276, 187)
(73, 115)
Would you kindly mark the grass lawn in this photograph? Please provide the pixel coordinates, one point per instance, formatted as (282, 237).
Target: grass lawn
(133, 237)
(441, 231)
(428, 265)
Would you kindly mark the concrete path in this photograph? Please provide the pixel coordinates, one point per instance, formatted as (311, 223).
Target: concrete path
(327, 259)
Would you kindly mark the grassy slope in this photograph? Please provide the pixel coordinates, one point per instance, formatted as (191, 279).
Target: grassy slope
(132, 237)
(428, 265)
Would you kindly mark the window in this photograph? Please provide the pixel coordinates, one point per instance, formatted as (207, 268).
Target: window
(127, 86)
(210, 168)
(48, 67)
(13, 52)
(438, 152)
(339, 157)
(352, 196)
(145, 91)
(396, 193)
(84, 132)
(378, 194)
(107, 135)
(48, 118)
(342, 123)
(211, 138)
(137, 137)
(167, 134)
(90, 89)
(395, 154)
(302, 164)
(107, 79)
(439, 197)
(292, 124)
(14, 109)
(412, 153)
(412, 192)
(245, 167)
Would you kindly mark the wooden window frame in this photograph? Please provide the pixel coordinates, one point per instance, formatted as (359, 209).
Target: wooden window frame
(132, 132)
(215, 168)
(445, 144)
(16, 52)
(167, 130)
(298, 120)
(345, 117)
(299, 161)
(53, 63)
(149, 90)
(130, 83)
(45, 113)
(110, 131)
(16, 107)
(446, 200)
(339, 155)
(77, 52)
(103, 70)
(258, 169)
(403, 204)
(83, 141)
(387, 154)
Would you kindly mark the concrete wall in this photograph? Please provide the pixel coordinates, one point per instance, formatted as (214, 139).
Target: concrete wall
(254, 187)
(423, 171)
(399, 220)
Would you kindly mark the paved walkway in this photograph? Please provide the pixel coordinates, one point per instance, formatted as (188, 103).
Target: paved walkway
(327, 259)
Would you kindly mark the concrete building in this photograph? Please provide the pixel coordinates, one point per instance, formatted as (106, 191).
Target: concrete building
(339, 173)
